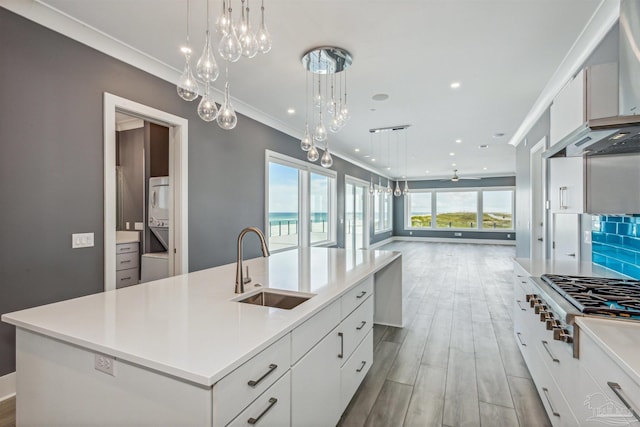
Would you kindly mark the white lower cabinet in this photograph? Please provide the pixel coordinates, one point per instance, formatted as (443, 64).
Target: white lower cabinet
(315, 385)
(271, 409)
(354, 370)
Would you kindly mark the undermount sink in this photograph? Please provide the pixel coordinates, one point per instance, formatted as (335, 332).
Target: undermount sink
(276, 299)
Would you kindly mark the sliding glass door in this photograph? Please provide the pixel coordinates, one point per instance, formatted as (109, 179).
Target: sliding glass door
(355, 224)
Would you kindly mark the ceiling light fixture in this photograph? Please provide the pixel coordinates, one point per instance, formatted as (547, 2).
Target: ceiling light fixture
(236, 41)
(357, 150)
(380, 97)
(498, 135)
(483, 146)
(327, 61)
(455, 85)
(452, 154)
(291, 111)
(458, 141)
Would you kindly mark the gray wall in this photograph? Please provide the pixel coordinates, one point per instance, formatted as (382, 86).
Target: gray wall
(51, 169)
(607, 51)
(398, 209)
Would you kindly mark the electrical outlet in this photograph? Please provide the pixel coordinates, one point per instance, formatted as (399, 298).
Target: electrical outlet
(106, 364)
(138, 225)
(81, 240)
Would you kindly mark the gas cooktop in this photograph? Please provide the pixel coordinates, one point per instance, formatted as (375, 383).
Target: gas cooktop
(600, 296)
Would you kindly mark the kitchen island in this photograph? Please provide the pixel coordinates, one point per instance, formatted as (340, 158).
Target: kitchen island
(179, 351)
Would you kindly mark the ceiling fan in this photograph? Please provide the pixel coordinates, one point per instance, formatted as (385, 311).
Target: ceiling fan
(456, 178)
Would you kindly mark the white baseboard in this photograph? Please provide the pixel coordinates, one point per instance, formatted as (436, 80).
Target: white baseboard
(7, 386)
(455, 240)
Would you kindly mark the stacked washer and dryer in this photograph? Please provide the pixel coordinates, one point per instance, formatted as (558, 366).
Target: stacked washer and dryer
(155, 265)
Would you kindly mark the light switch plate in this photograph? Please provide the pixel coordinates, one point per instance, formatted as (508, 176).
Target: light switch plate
(587, 236)
(81, 240)
(138, 226)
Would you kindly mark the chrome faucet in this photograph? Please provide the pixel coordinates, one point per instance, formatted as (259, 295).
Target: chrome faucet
(240, 278)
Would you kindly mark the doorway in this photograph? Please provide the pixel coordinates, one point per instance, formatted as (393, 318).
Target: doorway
(356, 218)
(177, 198)
(538, 227)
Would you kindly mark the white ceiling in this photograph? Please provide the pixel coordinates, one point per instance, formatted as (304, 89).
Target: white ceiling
(502, 52)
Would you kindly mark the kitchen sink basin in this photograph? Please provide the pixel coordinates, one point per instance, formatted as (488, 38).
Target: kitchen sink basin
(276, 299)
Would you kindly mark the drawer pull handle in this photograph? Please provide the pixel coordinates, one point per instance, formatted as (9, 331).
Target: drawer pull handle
(546, 347)
(253, 383)
(272, 401)
(618, 391)
(361, 325)
(521, 308)
(125, 261)
(363, 293)
(519, 335)
(125, 278)
(546, 394)
(341, 354)
(364, 363)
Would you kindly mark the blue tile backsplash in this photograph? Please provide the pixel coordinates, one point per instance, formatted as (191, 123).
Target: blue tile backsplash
(616, 243)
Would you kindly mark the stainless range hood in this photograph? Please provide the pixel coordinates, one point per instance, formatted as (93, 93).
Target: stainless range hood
(619, 134)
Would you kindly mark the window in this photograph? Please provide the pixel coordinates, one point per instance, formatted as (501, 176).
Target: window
(301, 203)
(382, 210)
(484, 209)
(418, 209)
(457, 209)
(497, 209)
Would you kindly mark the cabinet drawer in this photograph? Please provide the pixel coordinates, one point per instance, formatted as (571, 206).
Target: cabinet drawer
(311, 332)
(354, 370)
(127, 261)
(271, 409)
(238, 389)
(604, 371)
(356, 296)
(124, 248)
(355, 327)
(126, 278)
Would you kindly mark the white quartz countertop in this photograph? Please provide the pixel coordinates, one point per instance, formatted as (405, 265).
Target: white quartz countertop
(127, 237)
(618, 338)
(189, 326)
(538, 267)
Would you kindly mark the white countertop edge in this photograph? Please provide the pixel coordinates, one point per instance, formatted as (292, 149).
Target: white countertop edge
(583, 323)
(200, 379)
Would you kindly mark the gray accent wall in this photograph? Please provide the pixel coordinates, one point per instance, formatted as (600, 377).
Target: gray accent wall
(399, 209)
(51, 169)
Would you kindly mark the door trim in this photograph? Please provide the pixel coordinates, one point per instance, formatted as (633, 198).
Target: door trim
(178, 179)
(533, 204)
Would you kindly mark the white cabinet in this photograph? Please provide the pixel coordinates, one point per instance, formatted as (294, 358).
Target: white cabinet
(315, 385)
(353, 371)
(566, 184)
(271, 409)
(591, 94)
(127, 264)
(566, 237)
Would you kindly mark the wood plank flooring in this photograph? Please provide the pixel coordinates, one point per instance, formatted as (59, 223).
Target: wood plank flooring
(455, 362)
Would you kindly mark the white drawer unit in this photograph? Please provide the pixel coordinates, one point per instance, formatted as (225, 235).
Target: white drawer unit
(271, 409)
(355, 369)
(356, 296)
(124, 248)
(126, 278)
(305, 336)
(127, 261)
(354, 328)
(238, 389)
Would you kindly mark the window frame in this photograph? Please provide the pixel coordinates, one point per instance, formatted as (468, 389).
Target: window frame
(378, 207)
(480, 209)
(304, 204)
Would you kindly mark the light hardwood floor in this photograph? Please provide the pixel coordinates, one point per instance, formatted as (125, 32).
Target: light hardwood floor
(456, 362)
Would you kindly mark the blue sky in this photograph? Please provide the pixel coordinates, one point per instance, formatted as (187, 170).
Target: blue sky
(283, 190)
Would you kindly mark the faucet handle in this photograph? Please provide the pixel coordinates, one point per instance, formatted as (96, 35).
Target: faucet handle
(246, 278)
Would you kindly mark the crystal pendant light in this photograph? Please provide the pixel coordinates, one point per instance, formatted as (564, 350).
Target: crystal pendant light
(406, 186)
(229, 46)
(380, 189)
(207, 108)
(187, 86)
(335, 124)
(344, 111)
(389, 190)
(207, 68)
(263, 36)
(222, 23)
(371, 187)
(312, 154)
(240, 27)
(397, 191)
(248, 40)
(320, 132)
(326, 161)
(227, 118)
(305, 142)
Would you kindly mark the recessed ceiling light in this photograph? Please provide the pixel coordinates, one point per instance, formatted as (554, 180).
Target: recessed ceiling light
(380, 97)
(373, 160)
(498, 135)
(357, 150)
(452, 154)
(366, 156)
(426, 171)
(484, 169)
(388, 169)
(291, 111)
(483, 146)
(453, 164)
(458, 141)
(455, 85)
